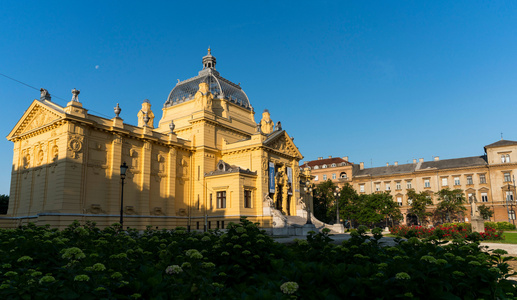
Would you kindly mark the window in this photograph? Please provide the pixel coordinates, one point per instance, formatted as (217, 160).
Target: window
(511, 214)
(427, 183)
(247, 199)
(315, 177)
(457, 181)
(408, 185)
(343, 175)
(324, 166)
(361, 188)
(221, 199)
(507, 177)
(397, 186)
(222, 224)
(316, 167)
(197, 225)
(333, 175)
(333, 165)
(484, 197)
(469, 180)
(409, 201)
(388, 187)
(211, 205)
(509, 195)
(325, 177)
(377, 187)
(507, 158)
(482, 178)
(444, 181)
(399, 201)
(502, 158)
(469, 196)
(217, 224)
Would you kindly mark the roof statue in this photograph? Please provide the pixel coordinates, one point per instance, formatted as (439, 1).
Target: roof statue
(44, 95)
(266, 124)
(75, 95)
(146, 114)
(203, 97)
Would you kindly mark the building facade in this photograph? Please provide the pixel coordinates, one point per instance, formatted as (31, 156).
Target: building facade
(487, 179)
(204, 163)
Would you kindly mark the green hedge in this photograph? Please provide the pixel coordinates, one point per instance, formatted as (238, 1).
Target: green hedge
(243, 263)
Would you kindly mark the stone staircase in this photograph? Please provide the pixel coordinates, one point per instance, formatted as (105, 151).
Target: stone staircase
(296, 221)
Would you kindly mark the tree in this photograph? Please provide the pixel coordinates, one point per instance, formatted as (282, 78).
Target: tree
(374, 208)
(419, 202)
(450, 205)
(485, 212)
(323, 201)
(4, 204)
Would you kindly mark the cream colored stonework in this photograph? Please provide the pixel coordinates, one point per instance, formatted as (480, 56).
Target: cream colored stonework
(66, 166)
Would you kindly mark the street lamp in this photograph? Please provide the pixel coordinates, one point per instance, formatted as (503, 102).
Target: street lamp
(123, 169)
(308, 190)
(509, 205)
(336, 195)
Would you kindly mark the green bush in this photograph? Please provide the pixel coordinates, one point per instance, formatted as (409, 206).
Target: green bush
(242, 263)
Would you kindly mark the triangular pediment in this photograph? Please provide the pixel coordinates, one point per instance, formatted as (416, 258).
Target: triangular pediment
(38, 115)
(281, 142)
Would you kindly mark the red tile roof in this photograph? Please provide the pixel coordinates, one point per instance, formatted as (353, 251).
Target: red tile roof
(325, 161)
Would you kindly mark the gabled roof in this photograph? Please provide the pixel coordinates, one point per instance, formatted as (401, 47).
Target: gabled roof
(280, 141)
(326, 161)
(501, 143)
(422, 166)
(39, 114)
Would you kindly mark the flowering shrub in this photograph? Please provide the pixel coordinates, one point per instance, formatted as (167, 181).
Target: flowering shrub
(447, 231)
(86, 262)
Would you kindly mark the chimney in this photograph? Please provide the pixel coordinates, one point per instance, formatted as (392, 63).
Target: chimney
(414, 160)
(345, 158)
(330, 156)
(396, 163)
(421, 160)
(361, 166)
(436, 158)
(387, 164)
(305, 162)
(320, 158)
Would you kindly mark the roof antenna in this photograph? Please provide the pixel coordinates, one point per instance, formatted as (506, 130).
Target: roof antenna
(501, 136)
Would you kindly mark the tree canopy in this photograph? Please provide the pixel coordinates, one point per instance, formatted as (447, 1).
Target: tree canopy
(419, 202)
(450, 205)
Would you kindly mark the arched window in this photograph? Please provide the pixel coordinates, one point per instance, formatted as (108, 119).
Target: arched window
(324, 166)
(502, 158)
(343, 175)
(316, 167)
(333, 165)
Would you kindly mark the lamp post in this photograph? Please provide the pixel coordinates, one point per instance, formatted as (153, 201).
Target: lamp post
(308, 190)
(336, 195)
(509, 204)
(123, 169)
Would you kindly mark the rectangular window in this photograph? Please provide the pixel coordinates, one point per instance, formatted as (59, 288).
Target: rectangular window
(409, 201)
(388, 187)
(221, 199)
(377, 187)
(427, 183)
(198, 203)
(247, 199)
(444, 181)
(222, 224)
(408, 185)
(325, 177)
(399, 201)
(484, 197)
(217, 224)
(315, 177)
(211, 205)
(361, 188)
(511, 214)
(482, 178)
(333, 175)
(398, 186)
(507, 177)
(457, 181)
(509, 195)
(469, 196)
(197, 225)
(209, 224)
(469, 180)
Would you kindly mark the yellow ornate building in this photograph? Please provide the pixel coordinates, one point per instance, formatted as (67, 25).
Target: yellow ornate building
(488, 179)
(206, 162)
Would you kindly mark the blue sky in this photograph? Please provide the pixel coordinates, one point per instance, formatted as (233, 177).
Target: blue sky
(378, 81)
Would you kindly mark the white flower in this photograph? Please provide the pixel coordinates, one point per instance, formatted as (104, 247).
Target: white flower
(289, 287)
(174, 269)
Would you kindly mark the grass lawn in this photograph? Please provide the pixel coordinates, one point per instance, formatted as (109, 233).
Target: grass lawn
(510, 237)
